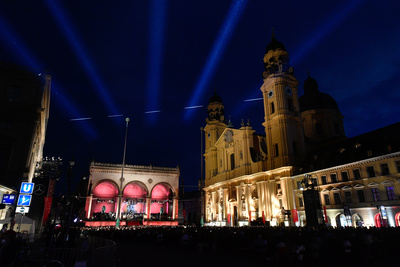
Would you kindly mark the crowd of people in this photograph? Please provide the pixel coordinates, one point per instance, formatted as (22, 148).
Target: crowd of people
(279, 246)
(8, 244)
(275, 246)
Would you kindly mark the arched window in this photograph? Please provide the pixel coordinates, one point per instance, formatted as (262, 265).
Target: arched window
(232, 161)
(276, 150)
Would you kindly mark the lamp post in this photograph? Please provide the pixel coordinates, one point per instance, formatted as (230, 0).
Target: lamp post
(201, 182)
(69, 200)
(69, 175)
(122, 174)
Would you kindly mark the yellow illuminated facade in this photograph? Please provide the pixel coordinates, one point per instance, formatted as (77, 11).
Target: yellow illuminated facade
(253, 177)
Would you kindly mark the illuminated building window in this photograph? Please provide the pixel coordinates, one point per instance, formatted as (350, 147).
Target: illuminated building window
(299, 185)
(232, 161)
(327, 200)
(357, 175)
(398, 166)
(337, 198)
(301, 203)
(390, 193)
(347, 195)
(375, 194)
(345, 176)
(385, 169)
(361, 197)
(371, 171)
(333, 178)
(323, 179)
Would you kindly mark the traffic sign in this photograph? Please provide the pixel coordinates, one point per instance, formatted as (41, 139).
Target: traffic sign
(8, 199)
(26, 188)
(22, 210)
(24, 200)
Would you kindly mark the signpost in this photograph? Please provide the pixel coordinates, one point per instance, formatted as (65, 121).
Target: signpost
(8, 199)
(26, 188)
(22, 210)
(24, 200)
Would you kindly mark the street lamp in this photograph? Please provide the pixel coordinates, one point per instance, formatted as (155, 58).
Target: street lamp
(69, 175)
(122, 175)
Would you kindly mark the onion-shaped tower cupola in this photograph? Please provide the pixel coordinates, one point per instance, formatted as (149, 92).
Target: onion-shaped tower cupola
(276, 58)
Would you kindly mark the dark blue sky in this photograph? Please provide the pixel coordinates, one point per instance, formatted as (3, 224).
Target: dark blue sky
(148, 60)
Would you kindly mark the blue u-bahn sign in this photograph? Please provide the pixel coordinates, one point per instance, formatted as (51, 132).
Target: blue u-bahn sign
(26, 188)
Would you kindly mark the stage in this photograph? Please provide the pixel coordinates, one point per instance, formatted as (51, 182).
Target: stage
(130, 223)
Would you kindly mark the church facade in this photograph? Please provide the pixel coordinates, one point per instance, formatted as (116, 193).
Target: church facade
(252, 177)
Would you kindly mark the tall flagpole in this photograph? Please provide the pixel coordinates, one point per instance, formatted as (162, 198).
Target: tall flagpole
(122, 174)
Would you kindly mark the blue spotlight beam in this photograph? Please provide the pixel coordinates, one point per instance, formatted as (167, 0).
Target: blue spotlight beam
(226, 32)
(324, 30)
(17, 47)
(157, 21)
(63, 22)
(253, 99)
(66, 104)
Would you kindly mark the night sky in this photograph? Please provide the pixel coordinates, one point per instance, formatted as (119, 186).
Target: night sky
(152, 60)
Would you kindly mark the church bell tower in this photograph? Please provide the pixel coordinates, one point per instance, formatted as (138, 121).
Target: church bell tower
(213, 130)
(283, 123)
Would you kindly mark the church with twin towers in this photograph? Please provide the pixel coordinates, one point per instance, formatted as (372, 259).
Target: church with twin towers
(261, 177)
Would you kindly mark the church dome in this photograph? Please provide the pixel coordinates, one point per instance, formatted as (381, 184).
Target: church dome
(314, 99)
(215, 98)
(274, 44)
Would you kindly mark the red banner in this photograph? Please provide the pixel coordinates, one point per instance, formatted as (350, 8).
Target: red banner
(294, 216)
(47, 208)
(263, 217)
(249, 216)
(229, 219)
(326, 217)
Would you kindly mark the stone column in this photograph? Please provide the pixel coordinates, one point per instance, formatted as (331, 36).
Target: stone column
(287, 193)
(226, 203)
(221, 209)
(273, 201)
(213, 208)
(148, 207)
(119, 204)
(247, 191)
(174, 205)
(89, 203)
